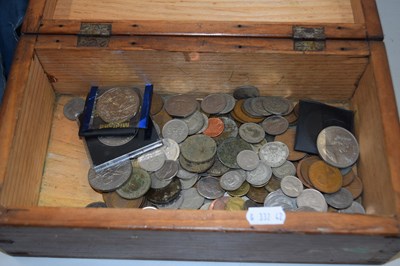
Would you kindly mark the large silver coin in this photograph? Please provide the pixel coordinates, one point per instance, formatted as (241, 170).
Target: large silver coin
(115, 141)
(194, 122)
(339, 200)
(209, 187)
(355, 208)
(137, 185)
(111, 178)
(312, 198)
(259, 176)
(291, 186)
(251, 132)
(192, 200)
(232, 180)
(287, 168)
(168, 170)
(338, 147)
(175, 129)
(73, 108)
(276, 105)
(152, 161)
(247, 160)
(171, 149)
(278, 198)
(274, 153)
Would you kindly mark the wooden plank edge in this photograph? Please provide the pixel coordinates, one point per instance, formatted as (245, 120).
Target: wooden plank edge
(358, 13)
(372, 20)
(33, 16)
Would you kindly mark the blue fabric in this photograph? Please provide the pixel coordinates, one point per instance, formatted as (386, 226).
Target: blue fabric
(11, 17)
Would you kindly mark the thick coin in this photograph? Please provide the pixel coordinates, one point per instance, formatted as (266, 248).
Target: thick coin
(312, 198)
(338, 146)
(213, 103)
(157, 103)
(111, 178)
(278, 198)
(117, 104)
(194, 122)
(259, 176)
(175, 129)
(166, 194)
(274, 153)
(171, 149)
(251, 132)
(97, 204)
(173, 204)
(215, 127)
(161, 118)
(188, 183)
(235, 204)
(246, 91)
(113, 200)
(289, 139)
(152, 161)
(258, 107)
(73, 108)
(287, 168)
(167, 171)
(192, 200)
(209, 187)
(257, 194)
(273, 184)
(241, 191)
(324, 177)
(181, 105)
(230, 130)
(218, 168)
(355, 187)
(339, 200)
(291, 186)
(247, 160)
(232, 180)
(158, 183)
(115, 141)
(229, 149)
(275, 125)
(198, 148)
(195, 167)
(276, 105)
(137, 185)
(355, 208)
(230, 103)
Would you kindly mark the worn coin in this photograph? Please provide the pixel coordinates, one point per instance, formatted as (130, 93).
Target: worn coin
(73, 108)
(275, 125)
(312, 198)
(276, 105)
(230, 130)
(215, 127)
(229, 149)
(291, 186)
(173, 204)
(161, 118)
(259, 176)
(291, 118)
(273, 184)
(168, 170)
(287, 168)
(232, 180)
(192, 200)
(278, 198)
(241, 191)
(183, 174)
(289, 139)
(248, 109)
(195, 167)
(274, 153)
(117, 104)
(220, 203)
(205, 124)
(230, 103)
(152, 161)
(257, 194)
(175, 129)
(188, 183)
(157, 183)
(166, 194)
(115, 141)
(340, 200)
(247, 160)
(251, 132)
(137, 185)
(194, 122)
(258, 107)
(111, 178)
(218, 168)
(157, 103)
(355, 187)
(205, 206)
(355, 208)
(97, 204)
(235, 204)
(209, 187)
(171, 149)
(198, 148)
(303, 170)
(348, 178)
(113, 200)
(324, 177)
(243, 117)
(213, 103)
(257, 146)
(252, 204)
(338, 146)
(181, 105)
(246, 91)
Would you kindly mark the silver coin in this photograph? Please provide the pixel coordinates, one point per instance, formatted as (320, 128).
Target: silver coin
(205, 206)
(171, 149)
(188, 183)
(345, 171)
(274, 153)
(194, 122)
(209, 187)
(275, 125)
(111, 178)
(338, 147)
(312, 198)
(157, 183)
(246, 91)
(213, 103)
(152, 161)
(218, 168)
(232, 180)
(276, 105)
(304, 209)
(205, 124)
(192, 200)
(73, 108)
(257, 146)
(259, 176)
(185, 175)
(175, 129)
(258, 107)
(287, 168)
(168, 170)
(249, 109)
(291, 186)
(247, 160)
(115, 141)
(355, 208)
(278, 198)
(251, 132)
(173, 204)
(230, 103)
(339, 200)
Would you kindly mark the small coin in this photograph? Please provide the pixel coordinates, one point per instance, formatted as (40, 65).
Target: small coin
(278, 198)
(246, 91)
(230, 103)
(181, 105)
(229, 149)
(338, 146)
(137, 185)
(205, 124)
(274, 153)
(113, 200)
(188, 183)
(161, 118)
(341, 199)
(115, 141)
(251, 204)
(259, 176)
(168, 170)
(171, 149)
(152, 161)
(241, 116)
(73, 108)
(215, 127)
(157, 183)
(258, 107)
(355, 208)
(235, 204)
(355, 187)
(247, 160)
(111, 178)
(230, 130)
(213, 103)
(289, 139)
(276, 105)
(157, 103)
(198, 148)
(273, 184)
(291, 186)
(173, 204)
(219, 204)
(232, 180)
(324, 177)
(275, 125)
(195, 167)
(287, 168)
(97, 204)
(218, 168)
(175, 129)
(312, 198)
(209, 187)
(192, 200)
(251, 132)
(241, 191)
(117, 104)
(166, 194)
(248, 109)
(194, 122)
(257, 194)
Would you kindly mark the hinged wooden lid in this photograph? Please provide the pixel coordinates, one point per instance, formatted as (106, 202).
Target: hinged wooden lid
(341, 19)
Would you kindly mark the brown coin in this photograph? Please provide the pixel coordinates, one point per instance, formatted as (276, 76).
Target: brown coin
(291, 118)
(242, 116)
(324, 177)
(215, 127)
(241, 191)
(235, 204)
(296, 109)
(213, 103)
(348, 178)
(275, 125)
(355, 187)
(157, 103)
(273, 184)
(302, 170)
(113, 200)
(237, 119)
(181, 105)
(289, 138)
(257, 194)
(165, 194)
(219, 204)
(161, 118)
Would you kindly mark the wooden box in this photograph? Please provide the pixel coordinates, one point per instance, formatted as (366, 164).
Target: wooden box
(197, 47)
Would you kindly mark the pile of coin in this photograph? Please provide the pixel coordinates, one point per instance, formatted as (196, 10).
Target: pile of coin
(233, 152)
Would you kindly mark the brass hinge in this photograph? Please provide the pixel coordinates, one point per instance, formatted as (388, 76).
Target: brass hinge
(309, 39)
(94, 35)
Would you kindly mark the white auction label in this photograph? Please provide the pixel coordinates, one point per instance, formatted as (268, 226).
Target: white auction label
(265, 215)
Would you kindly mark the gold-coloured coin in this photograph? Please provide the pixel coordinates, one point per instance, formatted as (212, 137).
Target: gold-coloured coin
(241, 191)
(235, 204)
(324, 177)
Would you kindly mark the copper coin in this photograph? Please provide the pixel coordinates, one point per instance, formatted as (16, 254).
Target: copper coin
(324, 177)
(236, 118)
(215, 127)
(157, 103)
(289, 138)
(348, 178)
(235, 204)
(161, 118)
(257, 194)
(304, 166)
(181, 105)
(166, 194)
(355, 187)
(213, 103)
(242, 116)
(291, 118)
(113, 200)
(219, 204)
